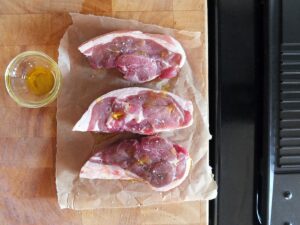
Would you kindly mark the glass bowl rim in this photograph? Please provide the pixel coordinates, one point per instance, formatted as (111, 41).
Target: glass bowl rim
(57, 81)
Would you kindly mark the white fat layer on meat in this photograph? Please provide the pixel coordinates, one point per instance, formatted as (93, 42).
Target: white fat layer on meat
(82, 124)
(92, 170)
(173, 46)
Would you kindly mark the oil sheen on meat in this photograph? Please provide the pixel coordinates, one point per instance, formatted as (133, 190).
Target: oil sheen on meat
(137, 110)
(139, 56)
(153, 159)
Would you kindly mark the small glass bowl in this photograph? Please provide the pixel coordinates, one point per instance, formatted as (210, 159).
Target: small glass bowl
(15, 79)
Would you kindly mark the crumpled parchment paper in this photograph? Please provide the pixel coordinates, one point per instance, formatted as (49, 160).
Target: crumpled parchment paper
(82, 84)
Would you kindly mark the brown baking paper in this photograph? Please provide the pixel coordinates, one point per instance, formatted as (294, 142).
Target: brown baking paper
(82, 84)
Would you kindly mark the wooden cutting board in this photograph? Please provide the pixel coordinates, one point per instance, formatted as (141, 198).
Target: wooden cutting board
(28, 136)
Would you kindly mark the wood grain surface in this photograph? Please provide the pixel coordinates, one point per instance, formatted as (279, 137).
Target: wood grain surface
(28, 136)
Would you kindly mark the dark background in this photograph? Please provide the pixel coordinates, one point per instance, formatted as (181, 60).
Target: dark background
(235, 77)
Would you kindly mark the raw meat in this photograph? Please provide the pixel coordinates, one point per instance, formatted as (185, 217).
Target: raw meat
(153, 159)
(141, 57)
(137, 110)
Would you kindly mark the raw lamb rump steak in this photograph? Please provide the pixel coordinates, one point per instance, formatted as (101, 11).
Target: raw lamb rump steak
(137, 110)
(141, 57)
(153, 159)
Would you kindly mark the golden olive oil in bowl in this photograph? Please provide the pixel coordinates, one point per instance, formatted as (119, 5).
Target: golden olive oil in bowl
(32, 79)
(40, 81)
